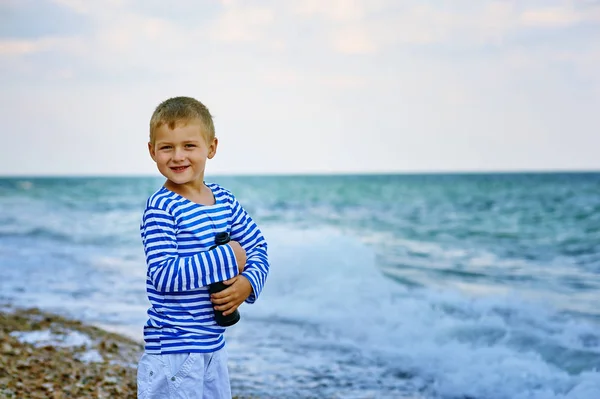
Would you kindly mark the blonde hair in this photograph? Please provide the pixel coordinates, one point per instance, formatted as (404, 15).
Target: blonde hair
(181, 110)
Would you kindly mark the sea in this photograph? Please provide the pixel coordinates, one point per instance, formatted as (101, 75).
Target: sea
(437, 286)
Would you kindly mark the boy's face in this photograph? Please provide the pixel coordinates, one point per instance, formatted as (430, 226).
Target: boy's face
(181, 153)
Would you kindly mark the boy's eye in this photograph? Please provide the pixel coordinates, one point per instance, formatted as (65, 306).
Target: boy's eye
(165, 147)
(190, 145)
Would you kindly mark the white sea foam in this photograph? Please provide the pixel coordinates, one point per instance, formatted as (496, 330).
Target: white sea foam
(41, 338)
(487, 345)
(67, 339)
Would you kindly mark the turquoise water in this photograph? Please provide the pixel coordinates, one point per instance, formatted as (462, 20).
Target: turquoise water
(394, 286)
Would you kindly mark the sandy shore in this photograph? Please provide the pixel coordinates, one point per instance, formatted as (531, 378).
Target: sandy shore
(43, 355)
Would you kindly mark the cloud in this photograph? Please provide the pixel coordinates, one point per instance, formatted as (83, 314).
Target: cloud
(353, 40)
(362, 26)
(558, 17)
(352, 27)
(334, 10)
(129, 38)
(241, 23)
(80, 6)
(344, 81)
(21, 47)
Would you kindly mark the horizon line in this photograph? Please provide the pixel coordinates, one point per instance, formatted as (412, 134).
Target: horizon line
(333, 173)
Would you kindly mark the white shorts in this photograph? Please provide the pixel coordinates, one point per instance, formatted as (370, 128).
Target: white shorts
(184, 375)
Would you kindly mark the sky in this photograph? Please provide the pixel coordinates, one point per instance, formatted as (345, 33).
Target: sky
(303, 86)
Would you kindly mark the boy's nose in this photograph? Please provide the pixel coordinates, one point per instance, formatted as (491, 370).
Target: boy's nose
(179, 155)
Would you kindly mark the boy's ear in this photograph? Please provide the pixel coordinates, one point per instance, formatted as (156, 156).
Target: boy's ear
(151, 151)
(212, 149)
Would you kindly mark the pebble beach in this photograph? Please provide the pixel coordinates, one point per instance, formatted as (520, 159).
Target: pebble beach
(43, 355)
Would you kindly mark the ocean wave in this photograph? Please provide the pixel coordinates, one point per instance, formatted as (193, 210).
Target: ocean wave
(482, 345)
(61, 237)
(36, 233)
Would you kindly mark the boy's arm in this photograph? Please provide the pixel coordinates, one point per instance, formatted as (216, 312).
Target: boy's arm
(245, 231)
(170, 272)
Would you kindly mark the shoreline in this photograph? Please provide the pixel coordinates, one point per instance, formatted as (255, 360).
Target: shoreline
(44, 355)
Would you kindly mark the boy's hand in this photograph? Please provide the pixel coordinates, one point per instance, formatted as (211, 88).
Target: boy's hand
(240, 255)
(233, 296)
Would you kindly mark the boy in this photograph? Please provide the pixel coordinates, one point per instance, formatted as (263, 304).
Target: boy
(184, 353)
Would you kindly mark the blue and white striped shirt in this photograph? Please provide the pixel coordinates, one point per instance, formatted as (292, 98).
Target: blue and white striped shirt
(177, 234)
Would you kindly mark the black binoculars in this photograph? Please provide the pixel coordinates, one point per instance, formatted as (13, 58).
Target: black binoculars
(222, 238)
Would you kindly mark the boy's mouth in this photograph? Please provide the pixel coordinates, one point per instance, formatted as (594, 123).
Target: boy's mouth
(179, 169)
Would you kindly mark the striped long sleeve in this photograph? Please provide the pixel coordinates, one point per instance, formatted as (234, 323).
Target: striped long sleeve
(171, 272)
(245, 231)
(176, 235)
